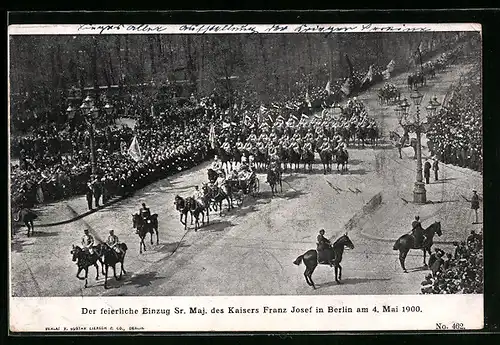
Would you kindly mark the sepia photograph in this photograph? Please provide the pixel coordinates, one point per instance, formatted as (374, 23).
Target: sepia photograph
(245, 161)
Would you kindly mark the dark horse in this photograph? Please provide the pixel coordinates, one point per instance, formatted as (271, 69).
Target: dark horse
(326, 159)
(308, 159)
(212, 175)
(217, 195)
(183, 207)
(27, 217)
(274, 178)
(84, 260)
(110, 258)
(407, 242)
(342, 157)
(196, 209)
(145, 227)
(333, 256)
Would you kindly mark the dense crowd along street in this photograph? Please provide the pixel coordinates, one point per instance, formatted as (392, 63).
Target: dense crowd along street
(259, 179)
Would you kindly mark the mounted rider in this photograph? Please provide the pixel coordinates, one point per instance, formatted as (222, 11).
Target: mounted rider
(145, 213)
(418, 232)
(112, 241)
(87, 242)
(322, 244)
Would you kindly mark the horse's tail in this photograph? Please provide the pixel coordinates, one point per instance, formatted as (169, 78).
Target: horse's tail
(396, 245)
(299, 260)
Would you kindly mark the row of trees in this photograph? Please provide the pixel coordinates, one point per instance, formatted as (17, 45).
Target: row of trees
(271, 64)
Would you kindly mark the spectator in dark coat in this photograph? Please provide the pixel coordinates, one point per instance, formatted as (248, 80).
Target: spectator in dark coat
(427, 171)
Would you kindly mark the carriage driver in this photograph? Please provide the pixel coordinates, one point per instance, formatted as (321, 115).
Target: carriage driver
(112, 242)
(322, 244)
(87, 241)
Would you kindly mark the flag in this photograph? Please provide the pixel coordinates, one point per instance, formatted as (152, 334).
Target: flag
(135, 150)
(327, 88)
(346, 87)
(369, 76)
(211, 136)
(390, 66)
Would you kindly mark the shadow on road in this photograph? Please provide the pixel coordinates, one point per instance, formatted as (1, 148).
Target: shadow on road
(138, 280)
(355, 172)
(218, 225)
(17, 245)
(291, 178)
(44, 234)
(352, 281)
(355, 162)
(171, 247)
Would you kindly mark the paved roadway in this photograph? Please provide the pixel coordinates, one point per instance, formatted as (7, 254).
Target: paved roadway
(248, 251)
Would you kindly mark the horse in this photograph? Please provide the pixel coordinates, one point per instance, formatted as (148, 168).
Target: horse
(326, 157)
(217, 196)
(27, 217)
(196, 209)
(400, 141)
(373, 135)
(407, 242)
(183, 207)
(294, 159)
(145, 227)
(84, 260)
(235, 191)
(273, 178)
(342, 158)
(308, 159)
(212, 175)
(334, 257)
(283, 155)
(110, 258)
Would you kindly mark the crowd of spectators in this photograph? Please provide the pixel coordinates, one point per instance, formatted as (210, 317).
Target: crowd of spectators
(455, 133)
(459, 273)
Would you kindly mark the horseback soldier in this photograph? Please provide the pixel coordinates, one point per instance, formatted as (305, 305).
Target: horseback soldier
(322, 244)
(145, 213)
(325, 146)
(418, 232)
(87, 242)
(308, 147)
(112, 242)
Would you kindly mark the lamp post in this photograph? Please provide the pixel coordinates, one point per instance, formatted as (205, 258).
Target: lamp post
(89, 111)
(415, 125)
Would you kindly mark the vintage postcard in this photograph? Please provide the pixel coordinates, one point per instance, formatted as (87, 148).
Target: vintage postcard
(243, 177)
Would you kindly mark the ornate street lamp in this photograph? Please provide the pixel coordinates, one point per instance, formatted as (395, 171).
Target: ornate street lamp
(90, 112)
(414, 124)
